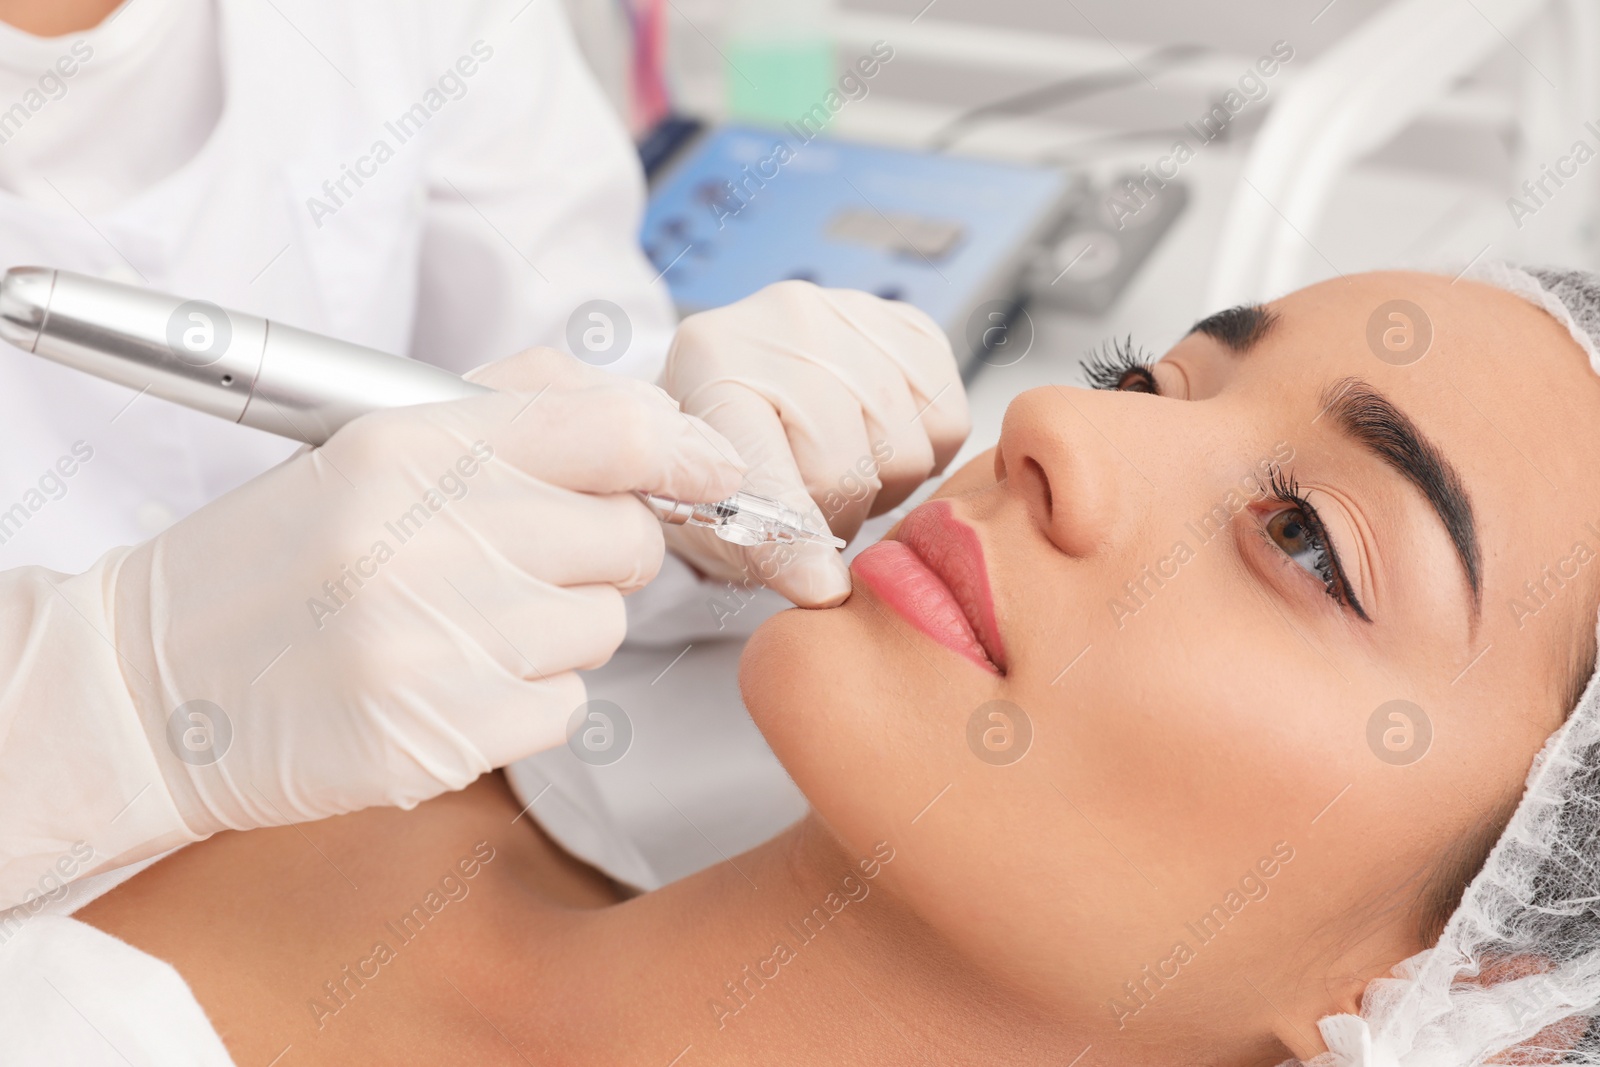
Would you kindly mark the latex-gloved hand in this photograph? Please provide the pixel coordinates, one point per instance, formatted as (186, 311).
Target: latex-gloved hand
(840, 402)
(375, 621)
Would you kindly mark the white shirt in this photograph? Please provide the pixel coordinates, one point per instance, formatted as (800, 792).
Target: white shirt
(109, 113)
(507, 198)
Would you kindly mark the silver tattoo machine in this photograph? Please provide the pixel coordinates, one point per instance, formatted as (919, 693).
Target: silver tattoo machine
(276, 378)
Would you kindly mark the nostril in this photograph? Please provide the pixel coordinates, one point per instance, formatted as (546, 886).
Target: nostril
(1036, 469)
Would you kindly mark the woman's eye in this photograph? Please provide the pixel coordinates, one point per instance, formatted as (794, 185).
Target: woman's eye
(1122, 366)
(1298, 532)
(1292, 532)
(1138, 380)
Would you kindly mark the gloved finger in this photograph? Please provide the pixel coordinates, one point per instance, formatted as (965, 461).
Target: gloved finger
(945, 418)
(573, 628)
(801, 454)
(539, 370)
(901, 353)
(568, 538)
(599, 439)
(833, 366)
(910, 338)
(852, 453)
(810, 575)
(901, 454)
(536, 369)
(533, 369)
(529, 628)
(516, 719)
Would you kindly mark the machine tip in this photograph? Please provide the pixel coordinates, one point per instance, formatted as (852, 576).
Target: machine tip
(24, 303)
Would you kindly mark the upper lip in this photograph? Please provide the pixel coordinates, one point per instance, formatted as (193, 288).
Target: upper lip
(951, 549)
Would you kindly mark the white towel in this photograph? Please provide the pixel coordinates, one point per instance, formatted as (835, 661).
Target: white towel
(74, 994)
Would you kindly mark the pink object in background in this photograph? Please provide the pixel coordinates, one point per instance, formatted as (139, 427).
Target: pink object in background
(650, 99)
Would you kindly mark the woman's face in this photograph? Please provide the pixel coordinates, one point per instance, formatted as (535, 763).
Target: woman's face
(1256, 725)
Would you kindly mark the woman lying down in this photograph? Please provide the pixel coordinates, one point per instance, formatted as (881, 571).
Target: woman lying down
(1185, 727)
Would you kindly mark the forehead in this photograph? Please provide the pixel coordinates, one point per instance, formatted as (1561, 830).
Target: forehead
(1495, 382)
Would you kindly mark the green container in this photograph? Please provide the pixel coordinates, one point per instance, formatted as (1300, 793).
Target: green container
(774, 81)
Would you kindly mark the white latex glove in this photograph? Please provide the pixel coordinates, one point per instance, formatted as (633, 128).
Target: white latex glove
(840, 402)
(379, 620)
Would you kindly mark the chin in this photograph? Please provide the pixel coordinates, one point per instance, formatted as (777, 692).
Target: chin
(855, 715)
(821, 687)
(801, 669)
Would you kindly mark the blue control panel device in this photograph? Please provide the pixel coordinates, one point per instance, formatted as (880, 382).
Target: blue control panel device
(744, 207)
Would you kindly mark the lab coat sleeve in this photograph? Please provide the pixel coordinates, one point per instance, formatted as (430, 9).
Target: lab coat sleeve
(80, 787)
(534, 198)
(534, 202)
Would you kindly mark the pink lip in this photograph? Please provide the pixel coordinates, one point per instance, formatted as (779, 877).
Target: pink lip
(934, 577)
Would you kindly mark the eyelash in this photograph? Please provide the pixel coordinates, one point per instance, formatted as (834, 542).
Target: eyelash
(1329, 567)
(1116, 361)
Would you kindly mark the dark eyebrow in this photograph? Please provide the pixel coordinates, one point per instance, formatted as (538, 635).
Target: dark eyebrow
(1238, 328)
(1372, 421)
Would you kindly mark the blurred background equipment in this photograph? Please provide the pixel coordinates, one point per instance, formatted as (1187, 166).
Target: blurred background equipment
(1320, 138)
(747, 207)
(948, 230)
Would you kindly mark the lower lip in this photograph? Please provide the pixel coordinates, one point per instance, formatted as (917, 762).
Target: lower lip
(899, 578)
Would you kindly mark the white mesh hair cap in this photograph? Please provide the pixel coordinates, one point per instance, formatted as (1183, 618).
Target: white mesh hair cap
(1515, 976)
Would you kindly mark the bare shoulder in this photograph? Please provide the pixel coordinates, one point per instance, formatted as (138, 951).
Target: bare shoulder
(341, 937)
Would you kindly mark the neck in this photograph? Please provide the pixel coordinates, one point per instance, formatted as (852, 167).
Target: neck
(793, 946)
(54, 18)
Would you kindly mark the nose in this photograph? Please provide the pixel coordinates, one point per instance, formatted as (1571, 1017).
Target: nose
(1079, 487)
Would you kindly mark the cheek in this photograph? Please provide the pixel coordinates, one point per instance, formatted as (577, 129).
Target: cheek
(1200, 723)
(879, 742)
